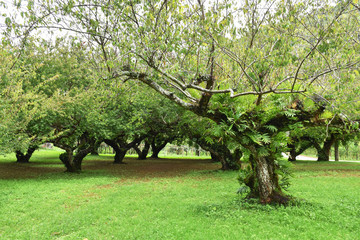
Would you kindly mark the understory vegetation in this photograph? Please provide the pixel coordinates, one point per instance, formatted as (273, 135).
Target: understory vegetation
(170, 199)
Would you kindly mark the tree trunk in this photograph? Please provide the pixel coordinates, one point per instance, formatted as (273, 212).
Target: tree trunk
(142, 154)
(24, 158)
(67, 158)
(214, 158)
(336, 150)
(292, 153)
(84, 145)
(264, 181)
(80, 155)
(298, 146)
(72, 165)
(228, 160)
(323, 155)
(324, 152)
(95, 150)
(119, 155)
(119, 151)
(73, 162)
(157, 149)
(197, 152)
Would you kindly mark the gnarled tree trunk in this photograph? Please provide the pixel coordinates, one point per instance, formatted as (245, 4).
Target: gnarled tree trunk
(214, 157)
(292, 152)
(142, 154)
(24, 158)
(95, 150)
(156, 149)
(298, 146)
(119, 151)
(119, 155)
(324, 152)
(83, 147)
(228, 160)
(121, 146)
(73, 162)
(264, 181)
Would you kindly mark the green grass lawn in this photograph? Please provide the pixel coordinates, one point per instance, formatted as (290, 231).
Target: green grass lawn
(170, 199)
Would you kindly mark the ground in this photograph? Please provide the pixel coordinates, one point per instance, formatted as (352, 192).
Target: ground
(163, 167)
(170, 199)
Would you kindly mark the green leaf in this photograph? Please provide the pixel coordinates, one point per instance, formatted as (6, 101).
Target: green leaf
(271, 128)
(8, 21)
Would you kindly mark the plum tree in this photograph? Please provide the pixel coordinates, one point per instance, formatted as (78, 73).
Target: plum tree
(241, 64)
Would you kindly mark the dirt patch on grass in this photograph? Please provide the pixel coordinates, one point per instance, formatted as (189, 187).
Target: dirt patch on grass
(26, 170)
(153, 167)
(132, 169)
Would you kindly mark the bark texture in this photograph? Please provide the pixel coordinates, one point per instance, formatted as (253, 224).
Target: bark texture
(324, 151)
(156, 148)
(75, 153)
(73, 162)
(336, 150)
(263, 180)
(142, 153)
(120, 145)
(24, 158)
(298, 146)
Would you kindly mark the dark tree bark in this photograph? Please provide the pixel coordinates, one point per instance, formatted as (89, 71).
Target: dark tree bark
(214, 158)
(336, 150)
(156, 149)
(83, 147)
(119, 151)
(292, 152)
(324, 152)
(94, 153)
(142, 154)
(95, 150)
(120, 155)
(121, 146)
(197, 152)
(73, 162)
(24, 158)
(298, 146)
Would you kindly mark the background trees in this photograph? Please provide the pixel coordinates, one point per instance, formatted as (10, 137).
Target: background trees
(21, 109)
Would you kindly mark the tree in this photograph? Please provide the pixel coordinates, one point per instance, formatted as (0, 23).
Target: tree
(321, 137)
(20, 105)
(242, 66)
(161, 123)
(123, 116)
(75, 126)
(70, 106)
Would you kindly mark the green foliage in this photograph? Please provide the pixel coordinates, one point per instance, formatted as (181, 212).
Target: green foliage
(244, 177)
(284, 169)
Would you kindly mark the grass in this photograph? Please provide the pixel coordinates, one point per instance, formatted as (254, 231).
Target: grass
(170, 199)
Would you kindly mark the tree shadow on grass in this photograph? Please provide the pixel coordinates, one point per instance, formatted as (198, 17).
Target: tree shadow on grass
(103, 165)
